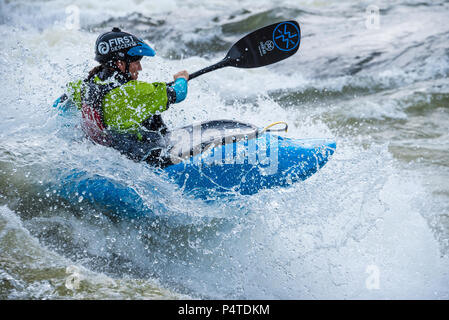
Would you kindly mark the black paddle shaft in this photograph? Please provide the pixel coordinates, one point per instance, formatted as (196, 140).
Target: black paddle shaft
(261, 47)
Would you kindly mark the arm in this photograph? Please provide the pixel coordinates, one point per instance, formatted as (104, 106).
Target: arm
(59, 101)
(177, 92)
(70, 99)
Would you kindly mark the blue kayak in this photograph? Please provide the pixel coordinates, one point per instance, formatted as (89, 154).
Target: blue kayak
(238, 157)
(208, 160)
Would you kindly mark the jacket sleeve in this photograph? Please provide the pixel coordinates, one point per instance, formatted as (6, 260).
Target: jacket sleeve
(177, 92)
(72, 97)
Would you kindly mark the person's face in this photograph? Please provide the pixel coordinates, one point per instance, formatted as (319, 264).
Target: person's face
(134, 68)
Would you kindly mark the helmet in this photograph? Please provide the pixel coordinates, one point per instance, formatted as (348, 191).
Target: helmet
(119, 45)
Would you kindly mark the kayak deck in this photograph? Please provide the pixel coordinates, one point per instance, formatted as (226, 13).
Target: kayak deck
(248, 166)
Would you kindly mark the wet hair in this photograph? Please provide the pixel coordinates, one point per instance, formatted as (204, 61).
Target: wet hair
(106, 70)
(96, 70)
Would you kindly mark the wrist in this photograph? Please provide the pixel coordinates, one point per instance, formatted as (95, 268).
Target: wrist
(181, 79)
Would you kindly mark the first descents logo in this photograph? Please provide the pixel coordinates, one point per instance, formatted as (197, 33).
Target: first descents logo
(116, 44)
(103, 47)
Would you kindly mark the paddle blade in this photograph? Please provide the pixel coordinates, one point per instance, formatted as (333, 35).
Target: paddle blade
(265, 46)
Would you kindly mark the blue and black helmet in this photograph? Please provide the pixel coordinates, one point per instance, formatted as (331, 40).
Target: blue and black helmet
(119, 45)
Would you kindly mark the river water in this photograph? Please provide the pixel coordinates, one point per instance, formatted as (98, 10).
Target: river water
(372, 224)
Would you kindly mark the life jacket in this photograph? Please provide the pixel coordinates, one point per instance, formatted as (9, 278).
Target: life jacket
(93, 123)
(145, 145)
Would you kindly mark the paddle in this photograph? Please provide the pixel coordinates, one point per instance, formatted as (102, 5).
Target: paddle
(261, 47)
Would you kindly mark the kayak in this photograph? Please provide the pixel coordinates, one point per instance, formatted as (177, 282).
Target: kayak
(209, 160)
(239, 157)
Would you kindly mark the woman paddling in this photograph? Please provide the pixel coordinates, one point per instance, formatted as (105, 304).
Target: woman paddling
(118, 110)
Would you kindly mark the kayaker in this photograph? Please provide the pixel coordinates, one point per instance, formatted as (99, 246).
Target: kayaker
(117, 109)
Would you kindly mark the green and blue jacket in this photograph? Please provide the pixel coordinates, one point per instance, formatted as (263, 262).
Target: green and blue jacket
(123, 113)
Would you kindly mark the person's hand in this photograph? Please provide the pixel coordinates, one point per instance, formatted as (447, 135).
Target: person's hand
(181, 74)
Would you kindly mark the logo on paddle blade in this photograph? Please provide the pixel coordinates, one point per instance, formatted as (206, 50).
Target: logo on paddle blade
(269, 45)
(264, 47)
(286, 36)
